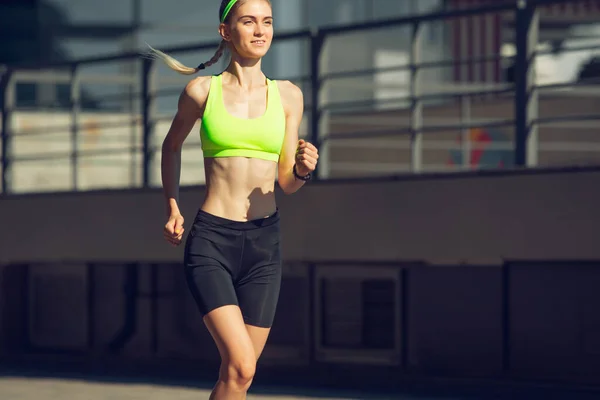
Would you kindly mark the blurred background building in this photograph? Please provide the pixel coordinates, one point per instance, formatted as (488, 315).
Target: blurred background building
(109, 90)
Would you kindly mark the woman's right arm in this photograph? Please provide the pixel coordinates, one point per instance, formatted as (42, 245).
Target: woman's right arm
(189, 110)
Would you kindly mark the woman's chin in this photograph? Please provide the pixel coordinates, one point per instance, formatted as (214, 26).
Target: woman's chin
(256, 53)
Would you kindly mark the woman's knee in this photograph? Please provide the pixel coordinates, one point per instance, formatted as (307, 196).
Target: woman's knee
(239, 373)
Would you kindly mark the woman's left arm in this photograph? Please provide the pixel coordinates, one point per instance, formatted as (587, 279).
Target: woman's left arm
(294, 153)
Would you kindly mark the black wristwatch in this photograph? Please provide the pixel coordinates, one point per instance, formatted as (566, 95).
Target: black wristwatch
(302, 178)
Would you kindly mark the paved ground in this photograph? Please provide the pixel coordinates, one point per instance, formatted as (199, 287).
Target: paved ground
(40, 389)
(15, 385)
(14, 388)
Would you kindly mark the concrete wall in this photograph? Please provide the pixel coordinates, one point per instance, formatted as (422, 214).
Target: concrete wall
(455, 219)
(473, 276)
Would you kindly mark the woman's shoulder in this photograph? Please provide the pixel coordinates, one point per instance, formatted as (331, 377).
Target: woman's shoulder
(198, 88)
(289, 90)
(198, 85)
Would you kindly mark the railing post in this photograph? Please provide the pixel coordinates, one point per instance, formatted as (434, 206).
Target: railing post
(75, 113)
(416, 109)
(148, 98)
(465, 120)
(7, 90)
(316, 47)
(526, 96)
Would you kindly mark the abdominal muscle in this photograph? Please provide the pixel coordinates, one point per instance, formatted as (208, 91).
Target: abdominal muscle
(240, 188)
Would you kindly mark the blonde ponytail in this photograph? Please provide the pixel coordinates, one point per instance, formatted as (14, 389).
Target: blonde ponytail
(177, 66)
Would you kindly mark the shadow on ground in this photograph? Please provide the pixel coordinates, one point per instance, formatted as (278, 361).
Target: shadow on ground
(422, 390)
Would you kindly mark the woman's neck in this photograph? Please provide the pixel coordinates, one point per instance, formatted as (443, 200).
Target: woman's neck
(246, 74)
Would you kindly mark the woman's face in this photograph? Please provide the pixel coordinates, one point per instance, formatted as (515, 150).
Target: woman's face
(250, 28)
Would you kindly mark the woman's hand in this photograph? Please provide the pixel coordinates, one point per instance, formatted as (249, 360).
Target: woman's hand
(173, 231)
(306, 157)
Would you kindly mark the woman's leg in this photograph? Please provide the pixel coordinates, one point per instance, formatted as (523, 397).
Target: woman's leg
(237, 349)
(259, 337)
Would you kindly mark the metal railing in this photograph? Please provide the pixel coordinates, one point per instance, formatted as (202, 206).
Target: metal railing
(411, 123)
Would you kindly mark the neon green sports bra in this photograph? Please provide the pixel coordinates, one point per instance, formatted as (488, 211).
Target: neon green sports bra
(225, 135)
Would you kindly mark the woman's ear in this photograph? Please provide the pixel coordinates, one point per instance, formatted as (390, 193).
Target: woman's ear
(224, 32)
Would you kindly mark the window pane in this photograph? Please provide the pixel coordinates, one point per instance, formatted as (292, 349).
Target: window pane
(39, 133)
(79, 11)
(184, 13)
(117, 170)
(42, 175)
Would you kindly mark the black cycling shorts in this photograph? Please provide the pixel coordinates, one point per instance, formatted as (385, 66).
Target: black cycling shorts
(235, 263)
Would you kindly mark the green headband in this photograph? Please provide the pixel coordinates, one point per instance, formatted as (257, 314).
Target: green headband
(227, 9)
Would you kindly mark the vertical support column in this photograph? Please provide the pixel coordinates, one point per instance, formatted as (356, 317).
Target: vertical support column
(465, 121)
(134, 41)
(148, 99)
(316, 46)
(75, 114)
(416, 114)
(526, 96)
(7, 89)
(3, 326)
(288, 58)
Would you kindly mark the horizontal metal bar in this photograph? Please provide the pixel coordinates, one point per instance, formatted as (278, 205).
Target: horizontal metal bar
(362, 104)
(47, 130)
(369, 166)
(394, 168)
(418, 18)
(499, 90)
(367, 134)
(396, 120)
(407, 67)
(361, 72)
(567, 118)
(565, 85)
(386, 144)
(124, 79)
(541, 3)
(575, 88)
(582, 147)
(497, 124)
(41, 76)
(458, 88)
(24, 76)
(66, 128)
(80, 154)
(569, 49)
(572, 125)
(137, 96)
(41, 157)
(109, 151)
(423, 129)
(428, 96)
(463, 61)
